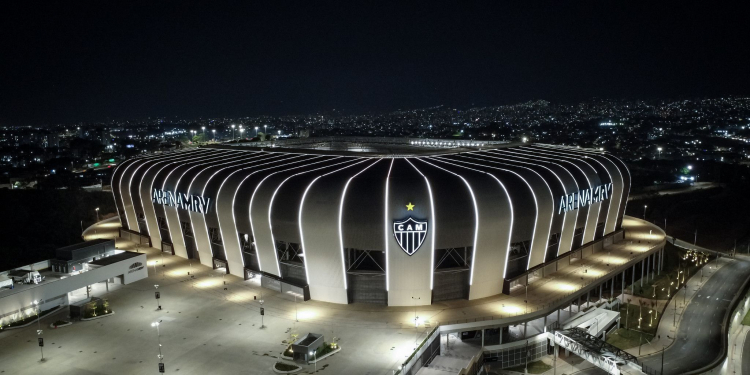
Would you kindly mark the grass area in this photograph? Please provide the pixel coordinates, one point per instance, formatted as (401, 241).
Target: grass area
(746, 319)
(626, 339)
(536, 367)
(677, 260)
(285, 366)
(629, 314)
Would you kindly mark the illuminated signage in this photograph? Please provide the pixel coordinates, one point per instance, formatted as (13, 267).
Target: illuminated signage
(195, 203)
(135, 267)
(410, 234)
(583, 198)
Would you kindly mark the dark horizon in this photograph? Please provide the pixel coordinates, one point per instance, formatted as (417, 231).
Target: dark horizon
(87, 62)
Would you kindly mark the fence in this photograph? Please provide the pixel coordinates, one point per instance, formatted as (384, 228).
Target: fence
(423, 354)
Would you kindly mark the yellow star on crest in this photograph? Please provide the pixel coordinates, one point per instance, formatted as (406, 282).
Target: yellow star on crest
(410, 207)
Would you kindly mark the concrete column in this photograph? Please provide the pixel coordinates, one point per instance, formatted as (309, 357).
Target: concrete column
(643, 269)
(632, 286)
(648, 267)
(558, 316)
(588, 297)
(623, 285)
(612, 287)
(579, 304)
(600, 290)
(483, 337)
(545, 323)
(524, 331)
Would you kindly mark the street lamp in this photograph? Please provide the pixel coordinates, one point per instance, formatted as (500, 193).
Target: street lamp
(265, 129)
(659, 149)
(97, 214)
(158, 335)
(690, 167)
(39, 328)
(232, 131)
(157, 295)
(204, 131)
(314, 353)
(241, 131)
(214, 133)
(644, 211)
(256, 131)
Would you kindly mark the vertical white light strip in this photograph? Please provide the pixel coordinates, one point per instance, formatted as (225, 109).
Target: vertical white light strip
(510, 204)
(582, 160)
(273, 197)
(434, 225)
(231, 207)
(341, 215)
(549, 228)
(476, 222)
(606, 220)
(299, 215)
(242, 162)
(536, 205)
(536, 151)
(236, 159)
(385, 231)
(148, 197)
(565, 190)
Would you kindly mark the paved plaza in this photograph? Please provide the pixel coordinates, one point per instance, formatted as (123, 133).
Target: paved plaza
(209, 329)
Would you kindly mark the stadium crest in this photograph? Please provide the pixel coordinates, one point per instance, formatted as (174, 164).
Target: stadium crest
(410, 234)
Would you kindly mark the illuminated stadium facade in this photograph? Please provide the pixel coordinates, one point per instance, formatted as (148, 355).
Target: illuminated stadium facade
(379, 226)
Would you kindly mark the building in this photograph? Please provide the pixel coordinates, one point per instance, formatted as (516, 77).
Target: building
(430, 224)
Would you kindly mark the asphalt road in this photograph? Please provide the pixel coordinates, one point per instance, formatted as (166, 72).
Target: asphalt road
(746, 354)
(699, 335)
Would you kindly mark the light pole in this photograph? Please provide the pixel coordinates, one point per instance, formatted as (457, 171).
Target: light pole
(158, 337)
(256, 131)
(644, 211)
(157, 294)
(39, 328)
(278, 132)
(97, 214)
(416, 320)
(241, 131)
(265, 129)
(314, 353)
(659, 149)
(204, 132)
(232, 131)
(296, 318)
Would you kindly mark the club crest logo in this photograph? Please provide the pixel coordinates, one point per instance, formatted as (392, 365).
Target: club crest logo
(410, 234)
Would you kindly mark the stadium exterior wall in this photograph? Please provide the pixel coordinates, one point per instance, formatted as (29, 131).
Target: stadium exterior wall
(317, 219)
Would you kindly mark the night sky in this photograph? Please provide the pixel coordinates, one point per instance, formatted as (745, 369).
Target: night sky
(67, 61)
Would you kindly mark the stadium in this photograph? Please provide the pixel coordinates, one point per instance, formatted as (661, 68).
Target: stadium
(397, 223)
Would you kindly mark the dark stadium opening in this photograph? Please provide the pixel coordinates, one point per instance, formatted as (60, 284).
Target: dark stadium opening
(599, 231)
(552, 246)
(577, 238)
(518, 259)
(365, 260)
(163, 229)
(249, 255)
(142, 226)
(459, 257)
(217, 245)
(190, 245)
(290, 262)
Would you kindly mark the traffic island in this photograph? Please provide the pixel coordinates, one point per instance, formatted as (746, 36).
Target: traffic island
(284, 368)
(60, 323)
